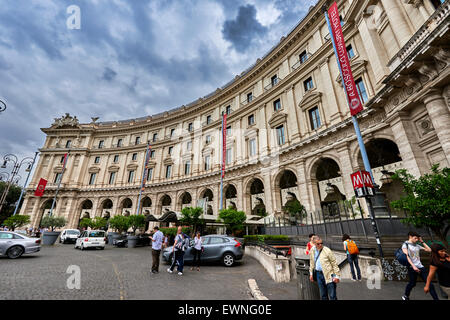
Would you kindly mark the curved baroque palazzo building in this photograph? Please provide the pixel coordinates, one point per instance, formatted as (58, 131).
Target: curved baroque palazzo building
(289, 130)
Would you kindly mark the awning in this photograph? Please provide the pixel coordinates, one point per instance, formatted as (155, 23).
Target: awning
(150, 217)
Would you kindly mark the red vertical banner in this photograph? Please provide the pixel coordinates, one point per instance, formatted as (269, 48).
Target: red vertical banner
(353, 98)
(40, 188)
(224, 143)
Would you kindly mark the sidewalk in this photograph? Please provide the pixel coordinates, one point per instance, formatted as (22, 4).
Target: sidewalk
(346, 290)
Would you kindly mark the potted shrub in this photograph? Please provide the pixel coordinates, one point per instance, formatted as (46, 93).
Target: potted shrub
(120, 224)
(49, 237)
(16, 221)
(136, 222)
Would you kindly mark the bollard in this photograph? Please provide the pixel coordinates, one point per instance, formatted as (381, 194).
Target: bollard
(306, 289)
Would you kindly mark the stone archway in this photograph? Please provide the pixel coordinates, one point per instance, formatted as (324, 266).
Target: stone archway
(85, 211)
(146, 206)
(384, 157)
(165, 203)
(106, 208)
(185, 200)
(125, 207)
(285, 185)
(328, 177)
(255, 195)
(206, 201)
(45, 209)
(230, 197)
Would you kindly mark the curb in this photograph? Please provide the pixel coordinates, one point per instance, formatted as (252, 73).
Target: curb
(254, 290)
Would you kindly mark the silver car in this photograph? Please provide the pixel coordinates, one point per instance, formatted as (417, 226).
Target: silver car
(14, 245)
(218, 248)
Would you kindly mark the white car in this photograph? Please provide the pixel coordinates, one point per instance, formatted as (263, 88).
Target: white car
(91, 239)
(69, 235)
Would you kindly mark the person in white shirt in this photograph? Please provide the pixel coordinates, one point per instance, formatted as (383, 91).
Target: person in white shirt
(157, 240)
(197, 250)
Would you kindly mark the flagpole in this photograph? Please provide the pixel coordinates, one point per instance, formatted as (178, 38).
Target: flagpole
(362, 147)
(221, 171)
(59, 184)
(144, 176)
(25, 184)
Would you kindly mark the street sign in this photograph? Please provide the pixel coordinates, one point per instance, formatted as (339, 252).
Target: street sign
(362, 184)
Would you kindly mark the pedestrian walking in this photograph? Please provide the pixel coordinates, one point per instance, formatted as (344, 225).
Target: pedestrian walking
(166, 241)
(178, 253)
(157, 239)
(310, 244)
(412, 250)
(324, 269)
(440, 265)
(352, 252)
(197, 250)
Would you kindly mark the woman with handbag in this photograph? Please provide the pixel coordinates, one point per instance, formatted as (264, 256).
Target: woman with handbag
(197, 250)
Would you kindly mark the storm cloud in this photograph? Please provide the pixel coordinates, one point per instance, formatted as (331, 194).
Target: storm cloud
(129, 59)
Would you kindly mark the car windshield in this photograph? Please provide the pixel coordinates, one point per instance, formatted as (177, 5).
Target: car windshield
(97, 234)
(73, 232)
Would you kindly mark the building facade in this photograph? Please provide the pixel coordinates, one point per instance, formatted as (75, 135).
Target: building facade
(289, 129)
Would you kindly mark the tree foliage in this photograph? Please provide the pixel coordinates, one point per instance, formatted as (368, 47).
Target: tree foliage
(98, 223)
(427, 200)
(233, 219)
(12, 197)
(53, 222)
(16, 221)
(191, 217)
(119, 223)
(294, 208)
(136, 222)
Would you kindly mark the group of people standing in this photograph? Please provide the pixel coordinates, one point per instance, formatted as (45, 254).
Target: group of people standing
(181, 243)
(325, 270)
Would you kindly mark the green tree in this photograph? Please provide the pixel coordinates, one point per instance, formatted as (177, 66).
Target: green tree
(233, 219)
(12, 197)
(85, 223)
(427, 200)
(53, 222)
(136, 222)
(294, 208)
(119, 223)
(191, 217)
(98, 223)
(16, 221)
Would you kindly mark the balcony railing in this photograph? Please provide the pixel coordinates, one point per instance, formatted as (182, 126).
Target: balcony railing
(273, 84)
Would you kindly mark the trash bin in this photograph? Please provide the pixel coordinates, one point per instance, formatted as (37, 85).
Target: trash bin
(306, 289)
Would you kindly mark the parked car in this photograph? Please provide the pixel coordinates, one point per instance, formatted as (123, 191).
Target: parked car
(217, 248)
(142, 240)
(69, 236)
(91, 239)
(14, 245)
(121, 241)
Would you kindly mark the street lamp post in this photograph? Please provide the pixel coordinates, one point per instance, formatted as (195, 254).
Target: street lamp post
(30, 167)
(14, 172)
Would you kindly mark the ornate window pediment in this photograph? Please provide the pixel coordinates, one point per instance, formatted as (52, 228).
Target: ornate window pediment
(58, 169)
(207, 151)
(251, 133)
(113, 168)
(312, 97)
(277, 119)
(132, 166)
(187, 156)
(168, 160)
(358, 67)
(94, 170)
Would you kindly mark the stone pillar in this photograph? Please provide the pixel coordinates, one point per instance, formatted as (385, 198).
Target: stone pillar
(290, 108)
(302, 186)
(405, 138)
(397, 20)
(346, 170)
(268, 192)
(374, 50)
(440, 117)
(35, 213)
(332, 113)
(314, 196)
(240, 196)
(216, 198)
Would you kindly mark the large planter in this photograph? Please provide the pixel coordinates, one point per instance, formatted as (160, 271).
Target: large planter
(49, 237)
(132, 241)
(112, 236)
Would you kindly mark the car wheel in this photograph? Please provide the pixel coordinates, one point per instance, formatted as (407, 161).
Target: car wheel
(15, 252)
(228, 259)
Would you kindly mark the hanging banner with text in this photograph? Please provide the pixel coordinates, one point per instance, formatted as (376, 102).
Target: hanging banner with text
(353, 98)
(40, 188)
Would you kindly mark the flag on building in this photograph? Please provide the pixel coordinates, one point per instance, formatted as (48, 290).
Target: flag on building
(40, 188)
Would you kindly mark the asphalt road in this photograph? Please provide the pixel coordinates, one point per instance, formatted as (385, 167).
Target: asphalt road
(118, 273)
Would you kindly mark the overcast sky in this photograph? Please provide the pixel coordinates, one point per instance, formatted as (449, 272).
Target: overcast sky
(129, 59)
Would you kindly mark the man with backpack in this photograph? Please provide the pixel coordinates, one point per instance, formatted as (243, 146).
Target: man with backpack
(411, 249)
(352, 256)
(178, 252)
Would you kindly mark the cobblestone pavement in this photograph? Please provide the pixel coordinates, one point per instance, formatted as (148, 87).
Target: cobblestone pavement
(118, 273)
